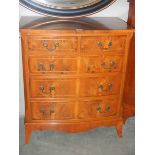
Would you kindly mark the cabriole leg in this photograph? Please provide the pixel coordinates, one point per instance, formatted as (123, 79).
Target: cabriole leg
(28, 132)
(119, 128)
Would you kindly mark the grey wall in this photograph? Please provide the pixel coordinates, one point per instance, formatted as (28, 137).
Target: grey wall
(118, 9)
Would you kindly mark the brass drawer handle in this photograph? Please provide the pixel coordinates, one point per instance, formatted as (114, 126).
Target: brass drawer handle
(41, 67)
(98, 108)
(100, 44)
(110, 66)
(91, 68)
(51, 66)
(110, 43)
(46, 112)
(107, 108)
(101, 86)
(42, 89)
(102, 111)
(51, 90)
(104, 46)
(45, 44)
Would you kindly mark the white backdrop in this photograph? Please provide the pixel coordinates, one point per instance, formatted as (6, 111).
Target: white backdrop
(118, 9)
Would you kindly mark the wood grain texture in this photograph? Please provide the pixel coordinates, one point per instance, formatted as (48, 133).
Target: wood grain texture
(74, 78)
(129, 91)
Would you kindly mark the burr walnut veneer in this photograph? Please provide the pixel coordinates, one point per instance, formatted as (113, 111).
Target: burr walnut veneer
(74, 73)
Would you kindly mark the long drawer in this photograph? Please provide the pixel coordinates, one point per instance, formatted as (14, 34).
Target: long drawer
(108, 84)
(76, 109)
(69, 65)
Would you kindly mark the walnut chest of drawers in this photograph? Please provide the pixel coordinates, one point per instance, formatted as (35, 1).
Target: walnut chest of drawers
(74, 73)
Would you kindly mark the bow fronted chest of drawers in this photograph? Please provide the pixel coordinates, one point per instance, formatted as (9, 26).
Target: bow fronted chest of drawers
(74, 73)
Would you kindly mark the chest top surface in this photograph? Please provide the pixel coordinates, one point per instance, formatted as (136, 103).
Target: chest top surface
(96, 23)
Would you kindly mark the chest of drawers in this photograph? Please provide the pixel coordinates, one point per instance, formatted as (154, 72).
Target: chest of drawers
(74, 73)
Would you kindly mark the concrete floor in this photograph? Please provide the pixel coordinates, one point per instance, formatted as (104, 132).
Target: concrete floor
(100, 141)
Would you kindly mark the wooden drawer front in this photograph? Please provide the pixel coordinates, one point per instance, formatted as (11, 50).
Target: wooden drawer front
(51, 45)
(52, 110)
(95, 45)
(53, 65)
(54, 88)
(106, 63)
(97, 108)
(106, 85)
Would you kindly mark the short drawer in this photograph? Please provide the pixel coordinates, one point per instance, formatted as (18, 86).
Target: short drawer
(98, 108)
(52, 110)
(43, 45)
(99, 86)
(55, 65)
(52, 88)
(105, 63)
(96, 45)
